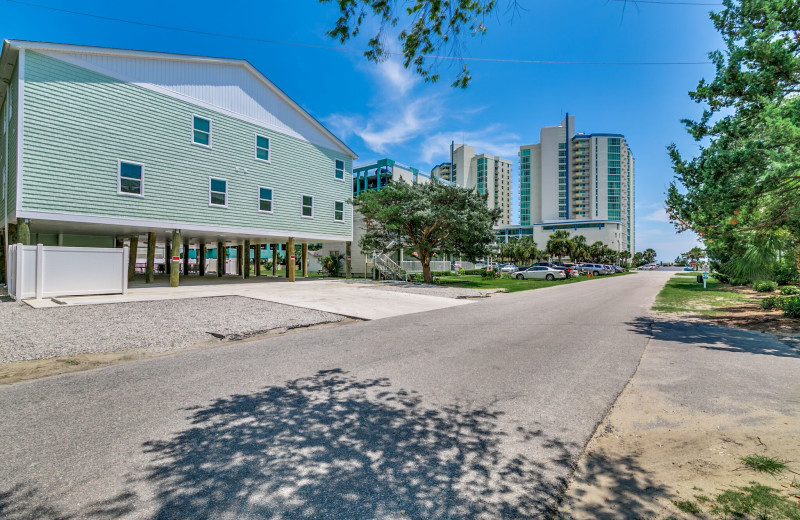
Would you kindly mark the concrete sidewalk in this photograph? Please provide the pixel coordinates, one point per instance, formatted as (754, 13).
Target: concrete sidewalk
(337, 296)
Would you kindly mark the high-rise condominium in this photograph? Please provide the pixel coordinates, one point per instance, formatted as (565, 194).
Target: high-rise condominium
(571, 177)
(489, 174)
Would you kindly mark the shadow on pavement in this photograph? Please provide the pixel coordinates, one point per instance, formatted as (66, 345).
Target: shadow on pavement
(621, 489)
(330, 447)
(25, 501)
(711, 337)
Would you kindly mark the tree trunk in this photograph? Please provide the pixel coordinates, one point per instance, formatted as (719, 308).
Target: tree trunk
(797, 255)
(426, 269)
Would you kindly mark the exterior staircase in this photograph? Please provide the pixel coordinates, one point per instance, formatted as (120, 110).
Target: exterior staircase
(388, 268)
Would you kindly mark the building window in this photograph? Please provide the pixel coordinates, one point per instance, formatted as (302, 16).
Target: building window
(262, 148)
(338, 211)
(201, 131)
(217, 192)
(339, 166)
(130, 179)
(308, 206)
(265, 200)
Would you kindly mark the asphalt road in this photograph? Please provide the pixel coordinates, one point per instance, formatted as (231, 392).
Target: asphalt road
(477, 411)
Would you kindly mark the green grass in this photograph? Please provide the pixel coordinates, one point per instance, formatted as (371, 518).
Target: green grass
(755, 501)
(512, 284)
(684, 294)
(687, 506)
(764, 464)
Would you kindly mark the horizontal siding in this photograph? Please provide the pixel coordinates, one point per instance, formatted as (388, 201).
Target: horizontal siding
(78, 124)
(226, 85)
(12, 148)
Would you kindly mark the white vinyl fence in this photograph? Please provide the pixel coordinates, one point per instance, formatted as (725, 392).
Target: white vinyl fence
(415, 266)
(51, 271)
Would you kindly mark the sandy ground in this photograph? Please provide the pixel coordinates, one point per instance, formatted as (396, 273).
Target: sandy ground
(702, 398)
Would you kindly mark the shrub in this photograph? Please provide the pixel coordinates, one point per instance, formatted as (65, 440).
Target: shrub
(791, 307)
(474, 271)
(771, 303)
(786, 273)
(461, 270)
(765, 286)
(441, 273)
(789, 290)
(490, 273)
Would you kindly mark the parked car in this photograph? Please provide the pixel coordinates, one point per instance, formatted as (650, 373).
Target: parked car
(593, 269)
(569, 271)
(508, 268)
(541, 272)
(688, 268)
(618, 268)
(609, 269)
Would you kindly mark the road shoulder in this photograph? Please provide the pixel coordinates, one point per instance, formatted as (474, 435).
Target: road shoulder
(702, 398)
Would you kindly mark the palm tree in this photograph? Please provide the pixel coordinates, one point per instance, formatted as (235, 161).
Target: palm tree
(559, 244)
(694, 254)
(596, 251)
(625, 255)
(580, 249)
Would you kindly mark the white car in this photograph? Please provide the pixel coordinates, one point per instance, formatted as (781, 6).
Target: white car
(540, 272)
(509, 268)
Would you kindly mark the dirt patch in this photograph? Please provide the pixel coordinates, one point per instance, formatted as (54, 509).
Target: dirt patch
(36, 369)
(647, 455)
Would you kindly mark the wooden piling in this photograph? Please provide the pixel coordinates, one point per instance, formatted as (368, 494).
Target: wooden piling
(132, 258)
(175, 265)
(257, 257)
(246, 259)
(220, 259)
(290, 259)
(304, 259)
(24, 231)
(201, 259)
(186, 258)
(274, 259)
(348, 265)
(151, 258)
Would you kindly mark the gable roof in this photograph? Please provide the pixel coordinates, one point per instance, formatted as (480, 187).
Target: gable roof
(229, 85)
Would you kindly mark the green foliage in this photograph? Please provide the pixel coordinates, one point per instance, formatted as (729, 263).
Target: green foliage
(755, 501)
(765, 286)
(430, 218)
(763, 464)
(431, 27)
(687, 506)
(492, 272)
(791, 307)
(770, 303)
(559, 244)
(785, 273)
(473, 272)
(741, 191)
(333, 264)
(790, 290)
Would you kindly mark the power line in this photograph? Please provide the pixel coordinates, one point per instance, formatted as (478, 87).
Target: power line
(360, 51)
(666, 2)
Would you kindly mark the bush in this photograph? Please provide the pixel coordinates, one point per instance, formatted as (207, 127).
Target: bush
(474, 272)
(791, 307)
(770, 303)
(490, 273)
(789, 290)
(441, 273)
(765, 286)
(786, 273)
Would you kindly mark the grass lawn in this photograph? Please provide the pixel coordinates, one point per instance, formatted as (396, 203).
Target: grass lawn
(682, 293)
(511, 284)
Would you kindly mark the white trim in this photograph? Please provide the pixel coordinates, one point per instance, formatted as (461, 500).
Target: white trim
(119, 179)
(271, 201)
(303, 206)
(20, 127)
(210, 128)
(334, 210)
(344, 170)
(22, 44)
(183, 226)
(209, 192)
(268, 148)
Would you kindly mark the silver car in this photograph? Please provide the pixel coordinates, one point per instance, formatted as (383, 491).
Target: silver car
(540, 272)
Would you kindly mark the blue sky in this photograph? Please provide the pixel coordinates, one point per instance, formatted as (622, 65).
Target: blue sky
(386, 111)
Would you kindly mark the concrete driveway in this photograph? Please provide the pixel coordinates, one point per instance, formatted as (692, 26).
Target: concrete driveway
(348, 298)
(478, 411)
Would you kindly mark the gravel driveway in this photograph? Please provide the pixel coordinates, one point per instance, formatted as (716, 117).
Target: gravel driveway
(154, 326)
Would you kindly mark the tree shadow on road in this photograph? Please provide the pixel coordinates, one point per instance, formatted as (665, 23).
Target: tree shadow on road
(330, 446)
(712, 337)
(24, 501)
(610, 487)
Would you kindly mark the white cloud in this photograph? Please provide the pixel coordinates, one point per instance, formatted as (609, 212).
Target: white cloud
(491, 140)
(395, 79)
(659, 215)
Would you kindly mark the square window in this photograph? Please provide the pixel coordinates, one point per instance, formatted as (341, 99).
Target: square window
(265, 200)
(339, 173)
(308, 206)
(217, 192)
(201, 131)
(130, 179)
(262, 148)
(338, 211)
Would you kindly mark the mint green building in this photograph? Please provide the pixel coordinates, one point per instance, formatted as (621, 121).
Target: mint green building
(101, 146)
